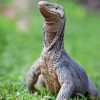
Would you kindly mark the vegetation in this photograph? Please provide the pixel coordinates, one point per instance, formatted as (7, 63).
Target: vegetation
(18, 50)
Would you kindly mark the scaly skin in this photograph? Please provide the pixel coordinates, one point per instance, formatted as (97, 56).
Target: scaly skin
(62, 76)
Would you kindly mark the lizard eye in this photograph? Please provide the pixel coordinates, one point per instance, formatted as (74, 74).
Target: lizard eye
(56, 8)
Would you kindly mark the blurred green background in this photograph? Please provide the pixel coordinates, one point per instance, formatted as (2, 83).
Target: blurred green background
(21, 41)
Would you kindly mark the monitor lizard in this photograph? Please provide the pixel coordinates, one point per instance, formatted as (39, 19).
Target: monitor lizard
(62, 75)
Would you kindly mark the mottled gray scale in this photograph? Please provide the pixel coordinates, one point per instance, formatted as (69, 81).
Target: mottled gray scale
(62, 76)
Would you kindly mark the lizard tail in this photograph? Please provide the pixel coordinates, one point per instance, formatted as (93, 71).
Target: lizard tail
(93, 92)
(98, 97)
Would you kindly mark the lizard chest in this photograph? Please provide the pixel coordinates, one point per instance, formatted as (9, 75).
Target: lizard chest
(50, 76)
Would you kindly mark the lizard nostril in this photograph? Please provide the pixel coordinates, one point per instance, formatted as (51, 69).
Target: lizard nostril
(42, 3)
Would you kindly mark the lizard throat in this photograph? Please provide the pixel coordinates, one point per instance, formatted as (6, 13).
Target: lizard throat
(53, 36)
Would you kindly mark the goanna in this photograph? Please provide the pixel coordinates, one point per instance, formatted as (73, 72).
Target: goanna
(62, 76)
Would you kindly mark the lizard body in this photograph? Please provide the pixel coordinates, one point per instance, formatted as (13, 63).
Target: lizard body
(62, 76)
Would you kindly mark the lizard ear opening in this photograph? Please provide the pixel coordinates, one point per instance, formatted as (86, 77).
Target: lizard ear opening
(62, 14)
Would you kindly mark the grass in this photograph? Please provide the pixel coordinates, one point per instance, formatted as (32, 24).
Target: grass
(18, 50)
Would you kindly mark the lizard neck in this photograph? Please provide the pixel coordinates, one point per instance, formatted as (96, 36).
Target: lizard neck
(54, 35)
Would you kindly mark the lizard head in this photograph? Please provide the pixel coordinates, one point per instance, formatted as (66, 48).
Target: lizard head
(50, 11)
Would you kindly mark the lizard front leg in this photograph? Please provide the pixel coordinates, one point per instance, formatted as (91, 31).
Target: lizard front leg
(66, 82)
(32, 78)
(65, 91)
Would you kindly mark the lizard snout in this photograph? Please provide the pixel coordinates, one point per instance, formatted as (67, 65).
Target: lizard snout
(42, 3)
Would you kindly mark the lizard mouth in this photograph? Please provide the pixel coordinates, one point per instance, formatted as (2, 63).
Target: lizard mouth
(45, 11)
